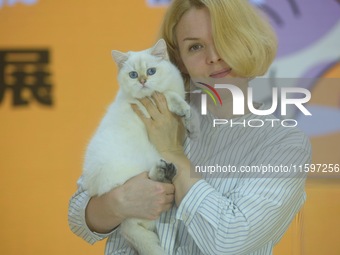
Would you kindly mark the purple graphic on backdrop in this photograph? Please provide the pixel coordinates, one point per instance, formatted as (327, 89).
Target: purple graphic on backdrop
(13, 2)
(299, 23)
(156, 3)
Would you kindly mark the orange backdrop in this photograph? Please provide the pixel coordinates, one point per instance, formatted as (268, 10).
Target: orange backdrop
(42, 146)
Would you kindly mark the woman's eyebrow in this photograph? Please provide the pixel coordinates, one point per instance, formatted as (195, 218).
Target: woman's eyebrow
(190, 39)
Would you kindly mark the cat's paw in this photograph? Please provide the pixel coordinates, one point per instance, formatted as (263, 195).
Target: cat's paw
(192, 130)
(192, 124)
(177, 104)
(163, 172)
(181, 109)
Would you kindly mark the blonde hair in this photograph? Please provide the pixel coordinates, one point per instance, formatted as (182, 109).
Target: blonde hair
(242, 37)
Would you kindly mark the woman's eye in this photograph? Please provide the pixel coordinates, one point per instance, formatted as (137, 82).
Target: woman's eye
(151, 71)
(195, 47)
(133, 75)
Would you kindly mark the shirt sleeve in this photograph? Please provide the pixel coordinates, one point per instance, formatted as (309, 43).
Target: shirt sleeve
(251, 215)
(76, 217)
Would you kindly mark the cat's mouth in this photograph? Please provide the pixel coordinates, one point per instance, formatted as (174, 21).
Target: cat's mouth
(144, 87)
(146, 90)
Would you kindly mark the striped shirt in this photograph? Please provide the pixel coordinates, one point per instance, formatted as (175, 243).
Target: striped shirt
(232, 210)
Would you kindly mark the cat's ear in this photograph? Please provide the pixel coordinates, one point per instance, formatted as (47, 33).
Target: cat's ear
(119, 57)
(160, 50)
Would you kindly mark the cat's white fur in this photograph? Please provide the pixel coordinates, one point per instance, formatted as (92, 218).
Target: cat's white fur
(120, 148)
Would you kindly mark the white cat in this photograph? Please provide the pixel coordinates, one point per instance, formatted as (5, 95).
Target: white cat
(120, 148)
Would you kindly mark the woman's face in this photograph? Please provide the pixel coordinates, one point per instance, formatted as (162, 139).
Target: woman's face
(196, 46)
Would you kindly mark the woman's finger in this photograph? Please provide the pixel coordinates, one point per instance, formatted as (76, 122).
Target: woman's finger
(160, 102)
(140, 114)
(151, 108)
(169, 198)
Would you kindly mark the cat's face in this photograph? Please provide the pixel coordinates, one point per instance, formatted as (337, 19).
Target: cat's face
(141, 73)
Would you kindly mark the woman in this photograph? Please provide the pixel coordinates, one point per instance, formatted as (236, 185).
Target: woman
(229, 213)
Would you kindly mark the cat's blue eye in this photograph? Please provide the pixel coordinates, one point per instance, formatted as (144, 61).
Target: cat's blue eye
(151, 71)
(133, 75)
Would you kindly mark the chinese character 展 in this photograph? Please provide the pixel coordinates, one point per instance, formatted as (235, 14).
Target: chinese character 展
(25, 75)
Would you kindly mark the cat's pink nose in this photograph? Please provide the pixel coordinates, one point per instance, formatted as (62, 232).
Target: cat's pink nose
(142, 81)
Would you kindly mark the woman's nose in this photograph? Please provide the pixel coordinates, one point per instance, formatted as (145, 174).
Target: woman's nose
(213, 56)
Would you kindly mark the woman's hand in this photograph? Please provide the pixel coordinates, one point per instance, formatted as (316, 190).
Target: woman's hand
(143, 198)
(165, 129)
(139, 197)
(166, 132)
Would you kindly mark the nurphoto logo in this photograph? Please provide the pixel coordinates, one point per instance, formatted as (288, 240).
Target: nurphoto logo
(280, 99)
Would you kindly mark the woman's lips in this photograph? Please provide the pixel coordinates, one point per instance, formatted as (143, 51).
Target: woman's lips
(221, 73)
